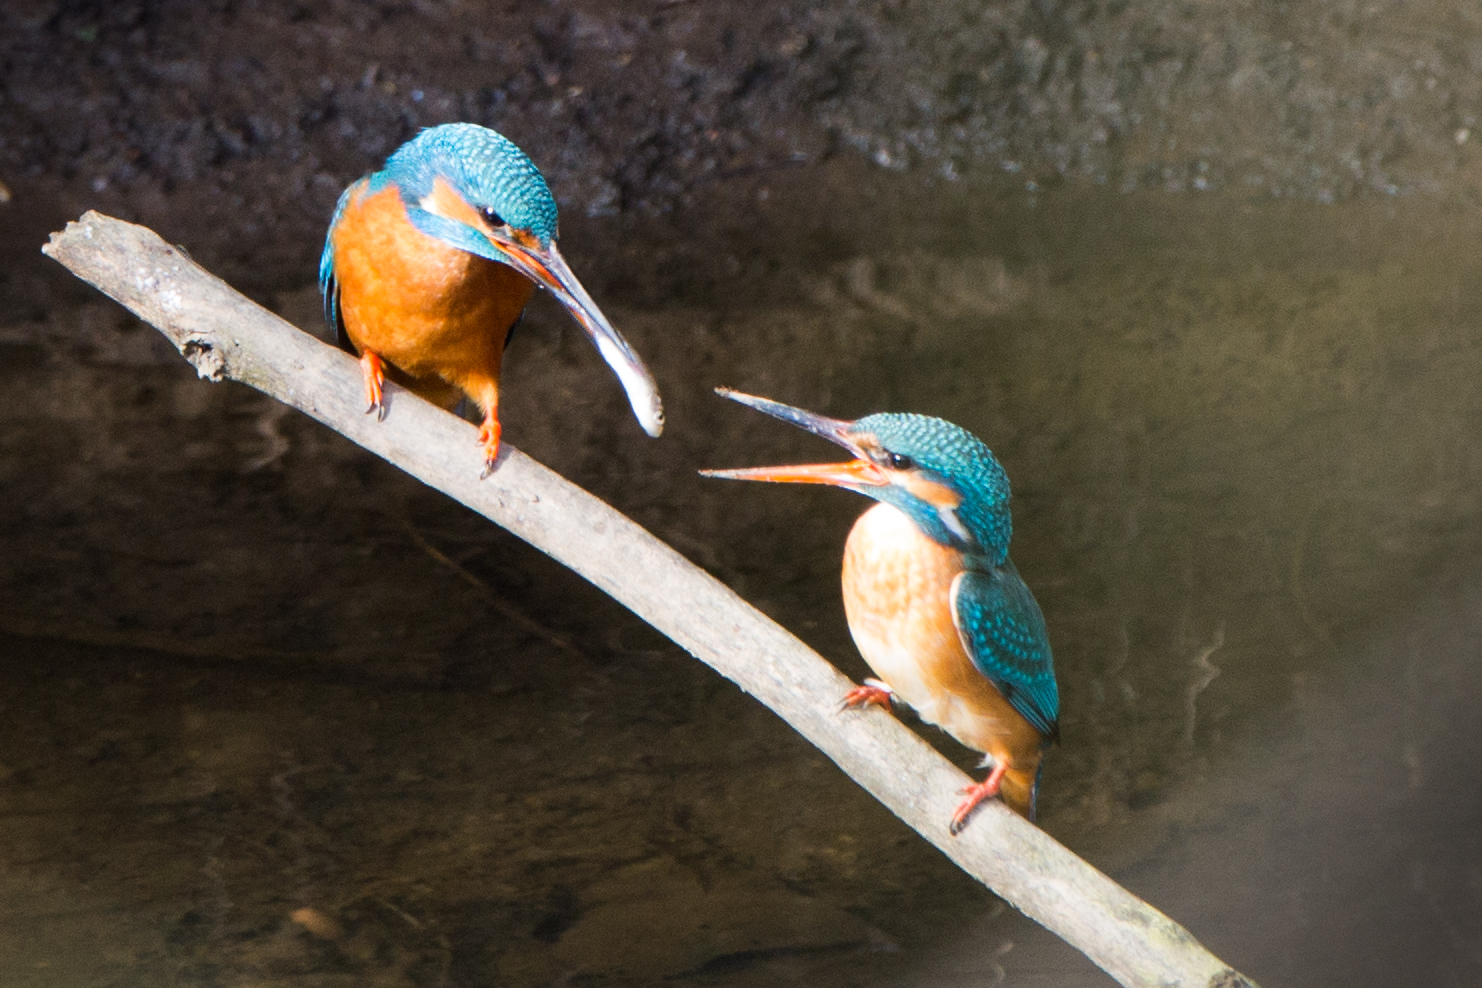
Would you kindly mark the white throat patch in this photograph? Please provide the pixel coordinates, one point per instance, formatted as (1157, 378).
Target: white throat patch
(954, 524)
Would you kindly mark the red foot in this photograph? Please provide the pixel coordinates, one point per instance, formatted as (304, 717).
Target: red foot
(489, 439)
(872, 692)
(986, 789)
(374, 371)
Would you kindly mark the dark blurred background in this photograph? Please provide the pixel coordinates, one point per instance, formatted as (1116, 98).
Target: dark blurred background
(1204, 275)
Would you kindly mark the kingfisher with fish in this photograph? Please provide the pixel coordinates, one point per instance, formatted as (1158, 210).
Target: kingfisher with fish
(428, 266)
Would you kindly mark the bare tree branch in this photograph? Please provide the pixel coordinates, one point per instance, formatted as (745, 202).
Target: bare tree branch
(225, 335)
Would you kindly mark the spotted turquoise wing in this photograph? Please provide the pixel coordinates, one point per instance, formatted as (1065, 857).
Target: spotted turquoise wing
(1004, 633)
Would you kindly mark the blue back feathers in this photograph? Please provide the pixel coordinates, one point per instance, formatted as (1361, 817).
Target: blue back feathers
(1004, 633)
(1001, 625)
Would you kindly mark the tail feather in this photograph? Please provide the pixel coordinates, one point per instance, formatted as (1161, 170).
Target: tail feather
(1018, 788)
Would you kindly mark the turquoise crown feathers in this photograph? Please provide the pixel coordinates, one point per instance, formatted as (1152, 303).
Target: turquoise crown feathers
(961, 461)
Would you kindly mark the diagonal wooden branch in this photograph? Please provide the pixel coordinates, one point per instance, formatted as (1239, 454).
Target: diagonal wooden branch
(225, 335)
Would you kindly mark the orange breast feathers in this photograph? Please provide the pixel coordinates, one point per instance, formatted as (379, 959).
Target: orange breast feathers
(438, 314)
(897, 596)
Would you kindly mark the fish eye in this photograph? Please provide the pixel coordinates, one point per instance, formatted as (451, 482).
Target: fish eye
(493, 217)
(897, 461)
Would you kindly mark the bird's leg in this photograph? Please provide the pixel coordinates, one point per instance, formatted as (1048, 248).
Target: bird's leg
(872, 692)
(489, 439)
(373, 370)
(483, 389)
(986, 789)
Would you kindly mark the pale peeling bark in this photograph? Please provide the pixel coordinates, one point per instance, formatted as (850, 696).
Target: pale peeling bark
(225, 335)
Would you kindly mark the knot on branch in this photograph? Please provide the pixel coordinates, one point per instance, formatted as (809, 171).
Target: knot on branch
(207, 360)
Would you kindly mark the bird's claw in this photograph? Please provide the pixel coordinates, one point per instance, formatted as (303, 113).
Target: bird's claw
(872, 693)
(976, 795)
(489, 439)
(374, 373)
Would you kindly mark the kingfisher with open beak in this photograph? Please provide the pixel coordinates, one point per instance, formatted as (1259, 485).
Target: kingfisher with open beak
(429, 263)
(934, 603)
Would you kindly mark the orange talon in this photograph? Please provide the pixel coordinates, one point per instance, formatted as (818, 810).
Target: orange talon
(489, 439)
(986, 789)
(873, 692)
(374, 372)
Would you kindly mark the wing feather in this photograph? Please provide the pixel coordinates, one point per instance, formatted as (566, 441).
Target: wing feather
(1003, 631)
(329, 286)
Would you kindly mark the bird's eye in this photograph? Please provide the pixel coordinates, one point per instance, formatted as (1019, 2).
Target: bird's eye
(898, 462)
(494, 218)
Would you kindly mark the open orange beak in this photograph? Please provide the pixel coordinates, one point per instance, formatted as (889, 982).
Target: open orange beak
(859, 472)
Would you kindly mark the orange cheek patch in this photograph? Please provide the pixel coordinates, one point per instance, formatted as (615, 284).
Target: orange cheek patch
(445, 202)
(935, 494)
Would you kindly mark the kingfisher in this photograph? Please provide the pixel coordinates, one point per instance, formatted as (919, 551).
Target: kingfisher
(934, 603)
(428, 265)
